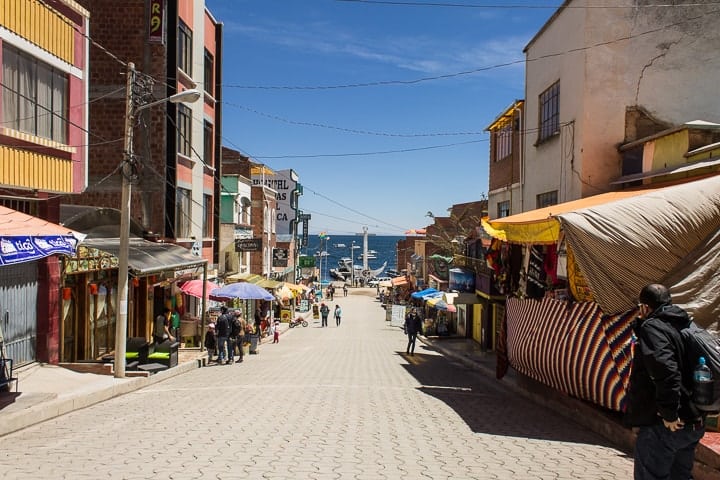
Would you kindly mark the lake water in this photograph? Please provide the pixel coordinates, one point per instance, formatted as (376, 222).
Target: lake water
(384, 245)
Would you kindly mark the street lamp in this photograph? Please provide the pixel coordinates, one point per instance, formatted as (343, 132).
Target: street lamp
(127, 172)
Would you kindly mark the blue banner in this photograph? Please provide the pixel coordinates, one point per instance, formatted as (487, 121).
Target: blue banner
(20, 248)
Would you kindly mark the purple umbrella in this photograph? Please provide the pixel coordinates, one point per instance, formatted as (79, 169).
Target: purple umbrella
(241, 290)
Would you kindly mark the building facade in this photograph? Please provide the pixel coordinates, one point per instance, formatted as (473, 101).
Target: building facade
(600, 77)
(43, 154)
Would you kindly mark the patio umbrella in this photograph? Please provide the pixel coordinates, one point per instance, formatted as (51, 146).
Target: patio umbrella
(284, 293)
(443, 305)
(194, 288)
(240, 290)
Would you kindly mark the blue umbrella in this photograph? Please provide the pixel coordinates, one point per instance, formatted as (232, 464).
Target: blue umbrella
(241, 290)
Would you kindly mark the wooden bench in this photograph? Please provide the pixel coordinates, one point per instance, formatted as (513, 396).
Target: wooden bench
(6, 378)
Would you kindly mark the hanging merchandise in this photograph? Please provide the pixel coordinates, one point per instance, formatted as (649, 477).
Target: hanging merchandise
(536, 273)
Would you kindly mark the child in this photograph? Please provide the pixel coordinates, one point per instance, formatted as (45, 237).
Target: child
(210, 341)
(276, 332)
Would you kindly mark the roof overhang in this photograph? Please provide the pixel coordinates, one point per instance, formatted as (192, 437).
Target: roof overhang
(145, 258)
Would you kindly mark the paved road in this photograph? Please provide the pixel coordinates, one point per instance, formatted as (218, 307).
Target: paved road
(324, 403)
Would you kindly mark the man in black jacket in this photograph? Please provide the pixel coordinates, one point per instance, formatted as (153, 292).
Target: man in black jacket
(668, 426)
(413, 326)
(222, 327)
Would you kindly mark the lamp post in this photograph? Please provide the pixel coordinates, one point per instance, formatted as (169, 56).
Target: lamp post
(125, 202)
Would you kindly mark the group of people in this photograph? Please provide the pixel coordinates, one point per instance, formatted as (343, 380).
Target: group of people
(325, 313)
(225, 336)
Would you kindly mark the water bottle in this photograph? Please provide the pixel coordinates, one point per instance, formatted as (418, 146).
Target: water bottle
(703, 387)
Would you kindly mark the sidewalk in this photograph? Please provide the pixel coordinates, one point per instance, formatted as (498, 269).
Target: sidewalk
(47, 391)
(607, 424)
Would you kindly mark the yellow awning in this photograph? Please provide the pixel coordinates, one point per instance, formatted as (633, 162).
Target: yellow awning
(268, 283)
(244, 277)
(540, 225)
(296, 288)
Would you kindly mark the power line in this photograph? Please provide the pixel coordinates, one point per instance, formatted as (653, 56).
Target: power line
(349, 130)
(475, 70)
(522, 6)
(385, 152)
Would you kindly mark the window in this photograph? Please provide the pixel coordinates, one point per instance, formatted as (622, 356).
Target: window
(35, 96)
(183, 201)
(184, 48)
(208, 144)
(207, 215)
(503, 209)
(209, 77)
(503, 141)
(184, 131)
(546, 199)
(549, 112)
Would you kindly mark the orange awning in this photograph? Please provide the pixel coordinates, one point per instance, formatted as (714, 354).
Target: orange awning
(399, 281)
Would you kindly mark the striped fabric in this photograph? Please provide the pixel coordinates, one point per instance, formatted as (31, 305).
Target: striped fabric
(571, 347)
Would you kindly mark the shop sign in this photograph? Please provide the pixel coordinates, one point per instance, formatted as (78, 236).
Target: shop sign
(157, 20)
(90, 260)
(306, 261)
(280, 257)
(248, 244)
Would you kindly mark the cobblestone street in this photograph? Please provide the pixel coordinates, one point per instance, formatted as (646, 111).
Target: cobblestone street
(324, 403)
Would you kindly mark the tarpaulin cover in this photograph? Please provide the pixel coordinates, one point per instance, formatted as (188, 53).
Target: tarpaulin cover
(573, 348)
(24, 238)
(668, 236)
(422, 293)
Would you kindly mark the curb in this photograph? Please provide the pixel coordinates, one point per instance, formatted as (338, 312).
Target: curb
(60, 406)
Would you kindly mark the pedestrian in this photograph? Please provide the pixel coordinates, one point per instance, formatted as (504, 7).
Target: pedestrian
(413, 326)
(659, 409)
(258, 321)
(161, 327)
(236, 334)
(324, 312)
(338, 315)
(175, 324)
(276, 331)
(222, 327)
(210, 341)
(345, 289)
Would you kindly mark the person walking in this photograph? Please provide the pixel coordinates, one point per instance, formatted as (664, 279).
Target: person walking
(413, 326)
(338, 315)
(276, 331)
(222, 327)
(345, 289)
(659, 409)
(324, 312)
(236, 334)
(210, 341)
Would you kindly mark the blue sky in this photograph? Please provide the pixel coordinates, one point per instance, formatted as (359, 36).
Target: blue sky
(371, 103)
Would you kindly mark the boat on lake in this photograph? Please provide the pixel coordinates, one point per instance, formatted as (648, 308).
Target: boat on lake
(370, 255)
(340, 245)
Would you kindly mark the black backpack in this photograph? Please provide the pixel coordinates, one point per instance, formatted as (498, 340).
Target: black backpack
(235, 327)
(701, 343)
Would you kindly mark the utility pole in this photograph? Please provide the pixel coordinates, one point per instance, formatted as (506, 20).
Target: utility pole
(126, 172)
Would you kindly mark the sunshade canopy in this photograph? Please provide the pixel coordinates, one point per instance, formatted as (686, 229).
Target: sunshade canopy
(422, 293)
(194, 288)
(24, 238)
(242, 291)
(146, 257)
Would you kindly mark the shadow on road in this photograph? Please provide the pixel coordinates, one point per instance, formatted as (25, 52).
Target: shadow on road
(488, 408)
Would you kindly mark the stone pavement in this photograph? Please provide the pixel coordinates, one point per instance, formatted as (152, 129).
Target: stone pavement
(49, 391)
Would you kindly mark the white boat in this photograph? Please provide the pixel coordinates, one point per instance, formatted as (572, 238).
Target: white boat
(370, 273)
(340, 245)
(370, 255)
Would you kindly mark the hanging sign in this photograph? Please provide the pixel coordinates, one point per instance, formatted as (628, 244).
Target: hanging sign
(157, 20)
(248, 244)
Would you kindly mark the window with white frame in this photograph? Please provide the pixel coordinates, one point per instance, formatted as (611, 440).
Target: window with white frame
(549, 112)
(35, 96)
(183, 213)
